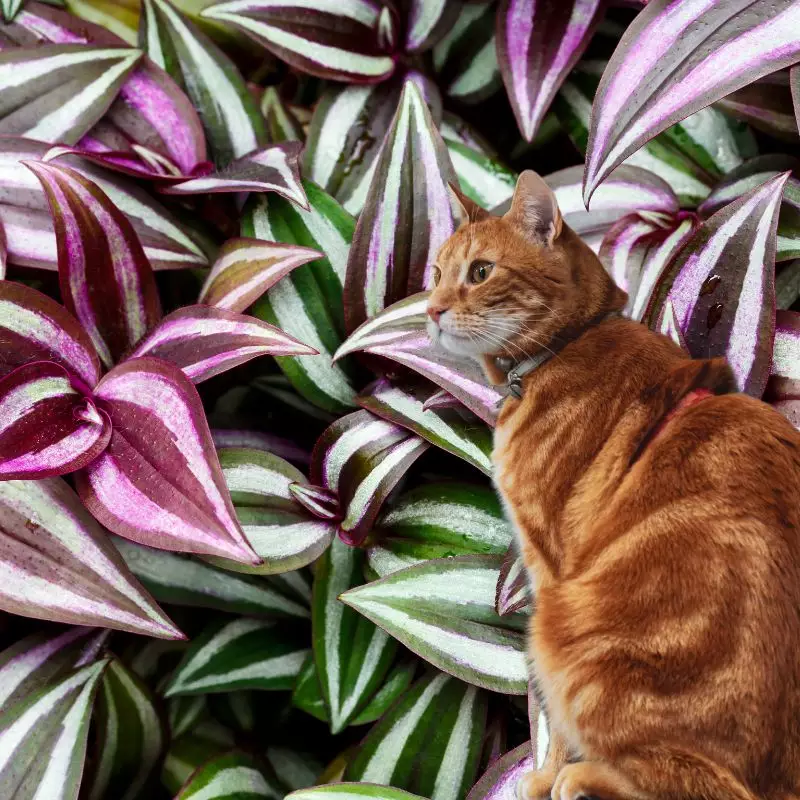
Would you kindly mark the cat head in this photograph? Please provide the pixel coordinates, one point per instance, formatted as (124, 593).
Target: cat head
(509, 285)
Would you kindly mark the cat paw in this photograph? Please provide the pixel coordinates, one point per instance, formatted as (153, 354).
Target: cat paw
(569, 785)
(593, 780)
(535, 785)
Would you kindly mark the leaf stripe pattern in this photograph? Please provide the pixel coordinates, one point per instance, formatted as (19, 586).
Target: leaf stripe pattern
(352, 791)
(56, 563)
(721, 286)
(240, 654)
(233, 776)
(335, 40)
(444, 610)
(706, 48)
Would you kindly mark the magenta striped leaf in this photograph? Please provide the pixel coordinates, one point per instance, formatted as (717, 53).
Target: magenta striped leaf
(406, 216)
(783, 388)
(321, 502)
(273, 169)
(794, 85)
(637, 249)
(205, 341)
(25, 214)
(56, 563)
(512, 592)
(47, 426)
(428, 21)
(345, 41)
(361, 458)
(669, 326)
(501, 780)
(538, 43)
(398, 333)
(159, 481)
(33, 327)
(246, 268)
(147, 166)
(257, 440)
(677, 57)
(439, 400)
(721, 286)
(105, 278)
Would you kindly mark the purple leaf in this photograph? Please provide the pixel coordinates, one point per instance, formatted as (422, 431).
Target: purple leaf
(126, 162)
(500, 781)
(794, 85)
(343, 41)
(205, 341)
(398, 333)
(35, 328)
(105, 278)
(256, 440)
(512, 586)
(47, 426)
(537, 45)
(668, 325)
(406, 216)
(783, 388)
(441, 399)
(321, 502)
(677, 57)
(637, 249)
(273, 169)
(721, 285)
(361, 458)
(56, 563)
(428, 21)
(246, 268)
(159, 482)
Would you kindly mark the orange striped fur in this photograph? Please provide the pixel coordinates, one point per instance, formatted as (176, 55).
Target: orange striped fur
(665, 642)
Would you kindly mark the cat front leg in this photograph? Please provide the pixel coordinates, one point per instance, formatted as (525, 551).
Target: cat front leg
(538, 785)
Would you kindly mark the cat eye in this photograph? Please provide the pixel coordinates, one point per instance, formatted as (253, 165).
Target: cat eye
(437, 276)
(479, 271)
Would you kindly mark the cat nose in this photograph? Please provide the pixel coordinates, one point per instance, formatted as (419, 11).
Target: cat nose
(435, 312)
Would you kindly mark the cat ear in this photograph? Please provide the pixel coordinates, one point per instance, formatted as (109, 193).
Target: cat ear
(534, 209)
(464, 210)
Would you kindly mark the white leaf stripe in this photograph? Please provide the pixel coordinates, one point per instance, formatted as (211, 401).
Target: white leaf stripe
(230, 777)
(352, 791)
(256, 477)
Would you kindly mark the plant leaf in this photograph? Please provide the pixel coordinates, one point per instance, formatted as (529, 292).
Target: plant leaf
(273, 169)
(35, 328)
(238, 654)
(794, 85)
(28, 227)
(307, 304)
(362, 457)
(429, 743)
(131, 736)
(257, 440)
(721, 286)
(397, 682)
(205, 341)
(438, 521)
(340, 41)
(53, 720)
(184, 581)
(47, 427)
(444, 610)
(230, 777)
(246, 268)
(398, 333)
(42, 658)
(406, 216)
(282, 124)
(501, 780)
(55, 93)
(159, 482)
(105, 278)
(428, 21)
(352, 655)
(466, 57)
(10, 9)
(352, 791)
(669, 65)
(57, 564)
(207, 741)
(481, 178)
(230, 115)
(512, 584)
(465, 438)
(537, 46)
(347, 132)
(256, 478)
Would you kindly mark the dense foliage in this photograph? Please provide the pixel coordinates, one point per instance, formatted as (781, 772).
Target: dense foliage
(248, 537)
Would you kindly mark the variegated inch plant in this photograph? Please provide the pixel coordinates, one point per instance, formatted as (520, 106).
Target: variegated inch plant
(250, 544)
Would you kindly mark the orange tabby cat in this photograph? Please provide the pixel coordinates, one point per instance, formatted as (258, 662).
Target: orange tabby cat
(657, 512)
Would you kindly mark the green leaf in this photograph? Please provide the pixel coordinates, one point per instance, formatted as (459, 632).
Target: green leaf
(239, 654)
(55, 721)
(294, 770)
(307, 304)
(429, 743)
(184, 711)
(439, 520)
(352, 791)
(233, 776)
(282, 125)
(307, 694)
(481, 178)
(56, 93)
(207, 741)
(444, 611)
(352, 654)
(230, 115)
(130, 735)
(183, 580)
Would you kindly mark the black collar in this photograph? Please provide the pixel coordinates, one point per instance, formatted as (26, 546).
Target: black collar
(517, 370)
